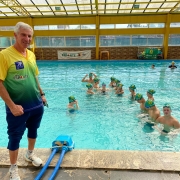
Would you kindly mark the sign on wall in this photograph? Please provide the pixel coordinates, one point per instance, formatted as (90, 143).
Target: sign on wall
(74, 54)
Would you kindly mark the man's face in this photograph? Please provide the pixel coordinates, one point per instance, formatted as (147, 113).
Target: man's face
(23, 37)
(166, 111)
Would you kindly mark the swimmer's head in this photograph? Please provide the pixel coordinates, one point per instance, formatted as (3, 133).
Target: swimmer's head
(89, 86)
(96, 80)
(132, 87)
(120, 85)
(138, 96)
(90, 74)
(103, 84)
(149, 104)
(113, 79)
(173, 62)
(71, 99)
(151, 91)
(166, 105)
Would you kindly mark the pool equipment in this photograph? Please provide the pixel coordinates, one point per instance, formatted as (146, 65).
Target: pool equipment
(62, 143)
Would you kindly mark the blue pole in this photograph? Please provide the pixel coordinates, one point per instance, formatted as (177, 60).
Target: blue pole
(53, 174)
(38, 177)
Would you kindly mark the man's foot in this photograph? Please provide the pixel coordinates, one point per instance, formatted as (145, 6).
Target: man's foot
(14, 173)
(31, 157)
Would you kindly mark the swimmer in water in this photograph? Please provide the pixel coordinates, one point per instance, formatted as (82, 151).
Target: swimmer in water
(167, 120)
(113, 82)
(139, 98)
(96, 83)
(153, 111)
(117, 81)
(173, 66)
(119, 90)
(132, 88)
(90, 89)
(104, 89)
(150, 93)
(91, 78)
(73, 103)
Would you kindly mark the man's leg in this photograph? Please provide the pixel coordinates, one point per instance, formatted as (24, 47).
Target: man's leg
(31, 144)
(13, 156)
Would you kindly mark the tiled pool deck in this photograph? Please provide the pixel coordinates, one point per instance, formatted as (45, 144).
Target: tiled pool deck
(108, 160)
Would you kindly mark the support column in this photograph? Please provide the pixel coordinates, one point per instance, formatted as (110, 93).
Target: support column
(97, 37)
(166, 36)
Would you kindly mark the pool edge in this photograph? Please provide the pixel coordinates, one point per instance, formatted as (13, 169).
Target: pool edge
(104, 159)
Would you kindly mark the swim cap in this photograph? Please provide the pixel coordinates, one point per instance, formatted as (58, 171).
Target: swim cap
(120, 85)
(89, 86)
(103, 84)
(113, 78)
(173, 62)
(149, 104)
(117, 81)
(90, 74)
(167, 106)
(151, 91)
(132, 87)
(71, 99)
(96, 79)
(138, 96)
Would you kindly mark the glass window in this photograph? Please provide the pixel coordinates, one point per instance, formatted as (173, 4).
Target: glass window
(5, 42)
(139, 25)
(121, 26)
(42, 41)
(122, 40)
(56, 27)
(88, 41)
(45, 27)
(107, 40)
(91, 26)
(6, 28)
(38, 41)
(174, 39)
(139, 40)
(57, 41)
(173, 25)
(72, 41)
(156, 25)
(107, 26)
(155, 40)
(70, 27)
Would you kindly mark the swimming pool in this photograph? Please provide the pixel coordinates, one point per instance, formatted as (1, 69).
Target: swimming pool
(104, 121)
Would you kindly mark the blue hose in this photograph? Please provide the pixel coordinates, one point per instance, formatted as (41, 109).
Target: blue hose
(53, 174)
(38, 177)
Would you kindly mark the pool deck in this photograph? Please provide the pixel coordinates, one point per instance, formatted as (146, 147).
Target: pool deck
(99, 161)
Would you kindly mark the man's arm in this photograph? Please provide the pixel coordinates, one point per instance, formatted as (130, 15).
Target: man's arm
(41, 91)
(84, 78)
(17, 110)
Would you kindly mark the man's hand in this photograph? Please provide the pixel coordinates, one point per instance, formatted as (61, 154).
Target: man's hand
(17, 110)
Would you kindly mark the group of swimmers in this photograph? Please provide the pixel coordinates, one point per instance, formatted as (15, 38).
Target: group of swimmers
(148, 107)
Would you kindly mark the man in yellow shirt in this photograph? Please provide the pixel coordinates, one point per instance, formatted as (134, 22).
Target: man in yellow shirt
(22, 94)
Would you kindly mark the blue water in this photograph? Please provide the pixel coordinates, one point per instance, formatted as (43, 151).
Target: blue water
(104, 121)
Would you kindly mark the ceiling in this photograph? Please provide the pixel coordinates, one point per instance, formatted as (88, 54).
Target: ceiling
(49, 8)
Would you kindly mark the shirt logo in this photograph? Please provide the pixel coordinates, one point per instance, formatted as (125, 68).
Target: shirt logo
(19, 65)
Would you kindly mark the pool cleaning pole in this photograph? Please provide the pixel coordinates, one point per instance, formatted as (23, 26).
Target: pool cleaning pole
(64, 150)
(38, 177)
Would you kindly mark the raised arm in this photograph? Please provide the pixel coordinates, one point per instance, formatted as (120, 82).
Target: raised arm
(84, 78)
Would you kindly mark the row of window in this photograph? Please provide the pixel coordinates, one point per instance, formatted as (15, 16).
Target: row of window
(105, 41)
(93, 26)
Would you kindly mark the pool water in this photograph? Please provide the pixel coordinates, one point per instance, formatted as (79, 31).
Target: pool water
(108, 121)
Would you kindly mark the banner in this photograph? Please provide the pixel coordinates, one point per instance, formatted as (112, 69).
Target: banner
(74, 54)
